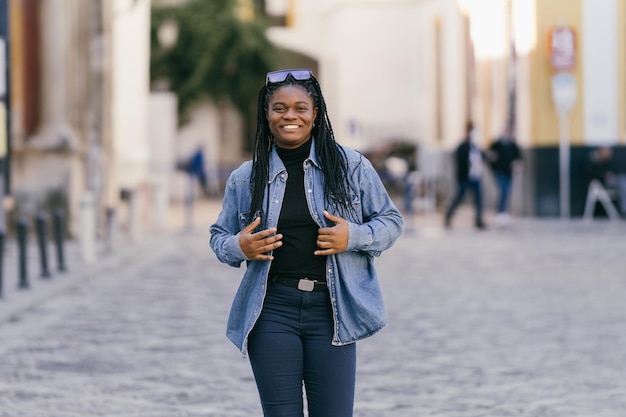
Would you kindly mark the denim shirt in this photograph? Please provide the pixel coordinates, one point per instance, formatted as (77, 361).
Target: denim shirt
(354, 290)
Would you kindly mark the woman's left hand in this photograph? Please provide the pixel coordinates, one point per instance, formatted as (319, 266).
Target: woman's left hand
(332, 240)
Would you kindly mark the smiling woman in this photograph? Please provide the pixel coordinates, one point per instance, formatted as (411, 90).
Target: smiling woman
(310, 290)
(290, 115)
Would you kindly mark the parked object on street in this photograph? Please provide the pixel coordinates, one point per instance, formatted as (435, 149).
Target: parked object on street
(2, 239)
(21, 229)
(59, 232)
(42, 243)
(22, 249)
(310, 290)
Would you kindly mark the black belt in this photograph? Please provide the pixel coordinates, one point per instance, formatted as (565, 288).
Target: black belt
(303, 284)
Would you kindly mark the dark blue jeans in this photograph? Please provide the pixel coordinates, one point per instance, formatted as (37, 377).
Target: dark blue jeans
(474, 186)
(290, 345)
(504, 184)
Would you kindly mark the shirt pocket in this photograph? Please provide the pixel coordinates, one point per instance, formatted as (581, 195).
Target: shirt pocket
(243, 219)
(353, 204)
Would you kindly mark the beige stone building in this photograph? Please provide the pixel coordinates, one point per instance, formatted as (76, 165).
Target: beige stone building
(79, 112)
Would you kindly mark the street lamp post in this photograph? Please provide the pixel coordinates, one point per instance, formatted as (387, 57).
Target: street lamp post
(562, 52)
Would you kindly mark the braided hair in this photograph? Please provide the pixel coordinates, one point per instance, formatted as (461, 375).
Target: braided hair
(332, 157)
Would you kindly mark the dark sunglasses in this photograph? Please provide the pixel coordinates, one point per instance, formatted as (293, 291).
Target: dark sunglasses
(300, 74)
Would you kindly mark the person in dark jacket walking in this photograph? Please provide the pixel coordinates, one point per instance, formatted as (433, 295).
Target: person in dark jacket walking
(469, 167)
(503, 155)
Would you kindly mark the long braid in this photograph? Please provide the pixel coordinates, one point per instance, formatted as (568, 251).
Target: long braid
(260, 160)
(332, 157)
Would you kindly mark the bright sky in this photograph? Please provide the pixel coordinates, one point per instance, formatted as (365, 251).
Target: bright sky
(488, 19)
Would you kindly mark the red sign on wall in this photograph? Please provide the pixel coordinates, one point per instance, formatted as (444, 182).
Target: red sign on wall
(562, 47)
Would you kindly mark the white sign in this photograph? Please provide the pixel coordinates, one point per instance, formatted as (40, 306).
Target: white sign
(564, 92)
(562, 48)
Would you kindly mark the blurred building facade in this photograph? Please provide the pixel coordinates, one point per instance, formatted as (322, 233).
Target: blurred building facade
(50, 98)
(80, 105)
(417, 70)
(215, 128)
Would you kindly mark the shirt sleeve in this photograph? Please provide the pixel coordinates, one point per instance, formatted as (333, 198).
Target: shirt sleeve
(382, 221)
(225, 231)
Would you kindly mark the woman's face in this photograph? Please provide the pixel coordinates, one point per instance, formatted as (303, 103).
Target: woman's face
(290, 114)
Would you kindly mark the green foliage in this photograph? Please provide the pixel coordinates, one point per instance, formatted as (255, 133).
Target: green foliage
(216, 54)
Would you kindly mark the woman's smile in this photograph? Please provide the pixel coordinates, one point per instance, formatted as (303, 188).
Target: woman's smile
(290, 115)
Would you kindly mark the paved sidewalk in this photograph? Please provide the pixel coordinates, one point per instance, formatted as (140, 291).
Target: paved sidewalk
(524, 321)
(16, 300)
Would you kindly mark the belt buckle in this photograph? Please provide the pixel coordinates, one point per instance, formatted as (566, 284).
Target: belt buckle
(306, 285)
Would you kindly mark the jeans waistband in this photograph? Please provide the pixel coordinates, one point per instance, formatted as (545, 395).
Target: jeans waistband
(303, 284)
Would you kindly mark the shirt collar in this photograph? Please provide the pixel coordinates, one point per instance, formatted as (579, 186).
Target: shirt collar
(277, 166)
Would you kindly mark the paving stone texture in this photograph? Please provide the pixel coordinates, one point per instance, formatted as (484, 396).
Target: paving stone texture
(524, 321)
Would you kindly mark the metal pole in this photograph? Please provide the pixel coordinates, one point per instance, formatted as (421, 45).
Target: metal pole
(1, 263)
(42, 241)
(3, 223)
(189, 202)
(88, 227)
(58, 238)
(5, 138)
(110, 228)
(22, 234)
(564, 165)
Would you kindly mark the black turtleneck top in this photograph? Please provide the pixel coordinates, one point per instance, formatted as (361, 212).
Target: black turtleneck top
(295, 257)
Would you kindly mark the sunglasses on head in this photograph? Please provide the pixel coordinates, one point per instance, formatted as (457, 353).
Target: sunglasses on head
(300, 74)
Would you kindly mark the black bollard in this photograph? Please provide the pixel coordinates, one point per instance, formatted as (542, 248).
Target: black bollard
(22, 235)
(1, 263)
(42, 241)
(58, 238)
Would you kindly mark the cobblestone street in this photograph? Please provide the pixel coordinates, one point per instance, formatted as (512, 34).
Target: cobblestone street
(525, 321)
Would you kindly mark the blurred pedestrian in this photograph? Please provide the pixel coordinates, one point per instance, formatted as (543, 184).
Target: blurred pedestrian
(605, 183)
(308, 216)
(503, 155)
(601, 167)
(196, 169)
(469, 168)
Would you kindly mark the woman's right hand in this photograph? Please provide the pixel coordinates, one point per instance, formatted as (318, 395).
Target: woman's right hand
(255, 246)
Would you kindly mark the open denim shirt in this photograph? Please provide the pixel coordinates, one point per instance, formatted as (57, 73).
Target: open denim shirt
(355, 294)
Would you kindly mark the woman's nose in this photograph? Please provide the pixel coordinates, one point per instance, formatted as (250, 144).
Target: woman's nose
(289, 114)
